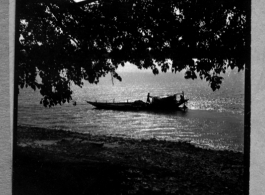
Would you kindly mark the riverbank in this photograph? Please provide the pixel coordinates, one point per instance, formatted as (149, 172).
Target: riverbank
(63, 162)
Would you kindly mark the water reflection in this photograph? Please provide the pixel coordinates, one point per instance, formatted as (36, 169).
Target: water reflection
(210, 120)
(205, 128)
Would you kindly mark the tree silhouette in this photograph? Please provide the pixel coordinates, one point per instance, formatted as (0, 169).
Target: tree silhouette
(63, 41)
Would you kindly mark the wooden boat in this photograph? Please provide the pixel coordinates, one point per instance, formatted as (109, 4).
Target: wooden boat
(137, 105)
(171, 102)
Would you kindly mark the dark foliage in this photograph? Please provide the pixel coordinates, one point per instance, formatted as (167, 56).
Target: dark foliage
(66, 42)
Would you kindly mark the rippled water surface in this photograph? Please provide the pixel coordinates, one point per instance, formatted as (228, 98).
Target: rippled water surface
(214, 119)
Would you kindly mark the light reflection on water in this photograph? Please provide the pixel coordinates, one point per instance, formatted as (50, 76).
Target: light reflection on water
(203, 128)
(206, 128)
(213, 120)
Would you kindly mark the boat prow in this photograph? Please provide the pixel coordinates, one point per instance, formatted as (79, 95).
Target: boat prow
(136, 105)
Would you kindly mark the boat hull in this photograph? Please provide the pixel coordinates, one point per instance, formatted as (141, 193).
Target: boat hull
(138, 105)
(116, 106)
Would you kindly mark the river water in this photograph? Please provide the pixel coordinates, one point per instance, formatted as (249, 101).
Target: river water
(213, 119)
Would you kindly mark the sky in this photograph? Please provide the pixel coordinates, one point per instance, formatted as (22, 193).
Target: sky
(131, 68)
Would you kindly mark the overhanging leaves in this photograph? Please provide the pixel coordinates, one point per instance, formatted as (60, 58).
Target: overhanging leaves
(64, 42)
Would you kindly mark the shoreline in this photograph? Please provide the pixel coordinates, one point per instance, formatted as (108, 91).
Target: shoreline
(121, 165)
(239, 149)
(212, 115)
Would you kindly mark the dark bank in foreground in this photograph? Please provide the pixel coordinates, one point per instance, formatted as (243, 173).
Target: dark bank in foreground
(62, 162)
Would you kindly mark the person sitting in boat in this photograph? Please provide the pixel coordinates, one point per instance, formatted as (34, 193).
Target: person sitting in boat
(148, 98)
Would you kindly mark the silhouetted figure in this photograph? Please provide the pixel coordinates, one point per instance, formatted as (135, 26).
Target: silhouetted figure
(74, 103)
(182, 98)
(148, 98)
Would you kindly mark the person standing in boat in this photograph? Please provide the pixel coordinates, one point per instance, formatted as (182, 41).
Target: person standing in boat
(148, 98)
(182, 98)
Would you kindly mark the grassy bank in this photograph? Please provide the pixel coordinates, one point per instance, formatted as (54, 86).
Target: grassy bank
(62, 162)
